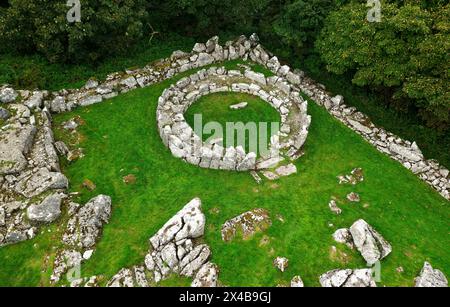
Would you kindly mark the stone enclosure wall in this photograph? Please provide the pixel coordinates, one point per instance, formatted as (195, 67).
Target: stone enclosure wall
(29, 166)
(184, 143)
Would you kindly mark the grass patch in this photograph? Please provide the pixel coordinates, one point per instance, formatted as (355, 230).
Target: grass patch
(216, 108)
(120, 137)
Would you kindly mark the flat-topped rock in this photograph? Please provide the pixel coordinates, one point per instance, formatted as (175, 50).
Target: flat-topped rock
(47, 211)
(247, 224)
(15, 143)
(239, 106)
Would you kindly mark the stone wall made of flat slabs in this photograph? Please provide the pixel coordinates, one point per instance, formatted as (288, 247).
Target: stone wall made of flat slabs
(181, 139)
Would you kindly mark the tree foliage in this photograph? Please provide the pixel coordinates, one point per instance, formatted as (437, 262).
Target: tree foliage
(107, 27)
(407, 53)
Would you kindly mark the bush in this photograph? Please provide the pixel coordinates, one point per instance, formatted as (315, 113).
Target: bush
(106, 27)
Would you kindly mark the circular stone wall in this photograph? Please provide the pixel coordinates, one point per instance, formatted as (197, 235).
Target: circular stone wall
(182, 141)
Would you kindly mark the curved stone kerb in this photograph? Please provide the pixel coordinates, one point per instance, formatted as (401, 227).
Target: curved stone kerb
(184, 143)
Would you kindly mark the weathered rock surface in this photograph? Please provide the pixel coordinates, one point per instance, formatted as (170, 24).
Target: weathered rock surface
(15, 142)
(334, 207)
(344, 236)
(188, 223)
(8, 95)
(246, 224)
(372, 246)
(353, 197)
(281, 263)
(207, 276)
(297, 282)
(431, 278)
(35, 183)
(82, 232)
(47, 211)
(348, 278)
(84, 228)
(173, 250)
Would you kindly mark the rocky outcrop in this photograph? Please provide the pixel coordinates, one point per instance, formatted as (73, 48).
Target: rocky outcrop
(83, 230)
(207, 276)
(348, 278)
(431, 278)
(173, 250)
(246, 224)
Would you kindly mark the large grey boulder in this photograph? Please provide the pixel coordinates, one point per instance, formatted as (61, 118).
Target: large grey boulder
(348, 278)
(15, 143)
(35, 183)
(8, 95)
(47, 211)
(84, 228)
(189, 222)
(431, 278)
(372, 246)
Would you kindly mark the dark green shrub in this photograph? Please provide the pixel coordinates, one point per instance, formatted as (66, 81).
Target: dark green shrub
(107, 27)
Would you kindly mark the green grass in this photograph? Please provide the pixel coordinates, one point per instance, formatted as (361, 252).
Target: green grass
(34, 71)
(120, 138)
(211, 105)
(408, 125)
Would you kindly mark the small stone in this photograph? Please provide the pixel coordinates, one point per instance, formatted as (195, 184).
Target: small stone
(129, 179)
(88, 184)
(239, 106)
(353, 197)
(286, 170)
(88, 254)
(297, 282)
(334, 208)
(247, 224)
(281, 263)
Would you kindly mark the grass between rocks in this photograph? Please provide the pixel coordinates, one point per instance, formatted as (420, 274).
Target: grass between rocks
(120, 137)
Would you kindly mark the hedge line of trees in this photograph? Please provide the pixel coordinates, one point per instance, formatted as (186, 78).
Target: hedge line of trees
(405, 57)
